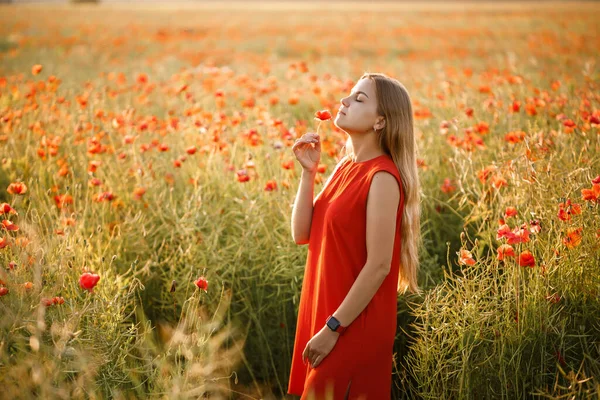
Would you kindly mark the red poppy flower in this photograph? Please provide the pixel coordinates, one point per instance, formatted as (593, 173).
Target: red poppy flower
(270, 186)
(526, 259)
(519, 235)
(288, 164)
(592, 194)
(104, 196)
(503, 231)
(202, 283)
(138, 193)
(9, 226)
(47, 302)
(447, 186)
(17, 188)
(191, 150)
(510, 212)
(573, 238)
(466, 257)
(506, 250)
(323, 115)
(3, 291)
(535, 226)
(87, 281)
(242, 175)
(5, 208)
(36, 69)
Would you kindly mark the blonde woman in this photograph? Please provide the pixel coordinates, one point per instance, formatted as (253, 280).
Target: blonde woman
(363, 233)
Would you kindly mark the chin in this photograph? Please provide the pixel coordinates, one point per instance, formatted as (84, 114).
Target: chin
(341, 126)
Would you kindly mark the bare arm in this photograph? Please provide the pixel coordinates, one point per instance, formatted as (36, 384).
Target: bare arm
(304, 205)
(382, 206)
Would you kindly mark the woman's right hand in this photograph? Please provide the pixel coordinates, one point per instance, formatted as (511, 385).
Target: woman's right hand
(307, 150)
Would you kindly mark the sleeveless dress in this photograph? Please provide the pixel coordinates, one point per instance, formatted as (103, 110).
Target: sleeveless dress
(360, 364)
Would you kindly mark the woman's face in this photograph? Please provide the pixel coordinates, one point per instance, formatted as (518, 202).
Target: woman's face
(358, 112)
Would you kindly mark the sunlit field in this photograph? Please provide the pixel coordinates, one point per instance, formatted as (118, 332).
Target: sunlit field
(147, 183)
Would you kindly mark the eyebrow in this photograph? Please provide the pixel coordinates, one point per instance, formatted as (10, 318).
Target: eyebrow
(360, 92)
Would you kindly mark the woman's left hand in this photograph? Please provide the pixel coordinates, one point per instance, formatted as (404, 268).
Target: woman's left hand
(319, 346)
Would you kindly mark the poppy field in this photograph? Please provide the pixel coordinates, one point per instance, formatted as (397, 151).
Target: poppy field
(147, 182)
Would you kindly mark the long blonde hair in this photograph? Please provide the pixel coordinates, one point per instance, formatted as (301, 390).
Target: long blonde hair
(397, 139)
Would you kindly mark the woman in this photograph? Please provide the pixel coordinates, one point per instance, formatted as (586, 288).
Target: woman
(361, 253)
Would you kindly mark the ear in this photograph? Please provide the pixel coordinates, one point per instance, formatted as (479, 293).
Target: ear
(379, 124)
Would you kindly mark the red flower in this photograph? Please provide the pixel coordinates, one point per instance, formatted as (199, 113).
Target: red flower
(270, 185)
(17, 188)
(573, 238)
(510, 212)
(323, 115)
(519, 235)
(503, 231)
(36, 69)
(9, 226)
(289, 164)
(87, 281)
(191, 150)
(526, 259)
(447, 186)
(202, 283)
(466, 257)
(535, 226)
(47, 302)
(242, 175)
(5, 208)
(3, 291)
(104, 196)
(592, 194)
(506, 250)
(138, 193)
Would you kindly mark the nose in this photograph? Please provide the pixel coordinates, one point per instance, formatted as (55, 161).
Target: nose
(344, 101)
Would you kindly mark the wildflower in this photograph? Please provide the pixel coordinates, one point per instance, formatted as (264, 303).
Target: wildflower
(87, 281)
(323, 115)
(17, 188)
(510, 212)
(526, 259)
(202, 283)
(270, 186)
(242, 175)
(9, 226)
(506, 250)
(573, 238)
(36, 69)
(466, 257)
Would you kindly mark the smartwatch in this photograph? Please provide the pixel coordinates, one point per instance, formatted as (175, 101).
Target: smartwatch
(334, 325)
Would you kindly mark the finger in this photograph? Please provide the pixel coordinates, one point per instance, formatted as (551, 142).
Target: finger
(318, 145)
(317, 361)
(305, 354)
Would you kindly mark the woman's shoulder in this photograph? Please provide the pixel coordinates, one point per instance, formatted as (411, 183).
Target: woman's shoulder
(384, 162)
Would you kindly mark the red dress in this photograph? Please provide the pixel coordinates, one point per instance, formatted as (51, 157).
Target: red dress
(361, 360)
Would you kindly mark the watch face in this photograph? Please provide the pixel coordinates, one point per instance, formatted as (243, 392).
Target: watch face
(333, 323)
